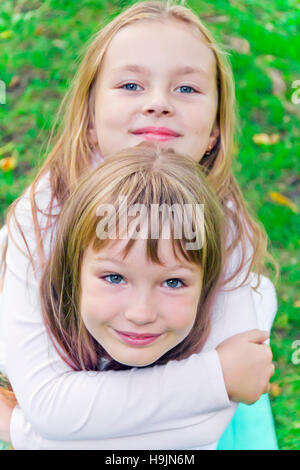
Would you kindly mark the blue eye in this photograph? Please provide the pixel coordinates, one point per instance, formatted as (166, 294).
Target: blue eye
(114, 278)
(189, 87)
(127, 84)
(174, 283)
(132, 85)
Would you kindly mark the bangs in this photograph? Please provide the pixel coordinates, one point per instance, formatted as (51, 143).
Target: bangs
(182, 225)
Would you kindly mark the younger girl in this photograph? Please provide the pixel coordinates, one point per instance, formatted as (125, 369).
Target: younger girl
(133, 271)
(154, 72)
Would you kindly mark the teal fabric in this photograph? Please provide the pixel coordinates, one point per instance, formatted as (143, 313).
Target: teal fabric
(251, 428)
(4, 446)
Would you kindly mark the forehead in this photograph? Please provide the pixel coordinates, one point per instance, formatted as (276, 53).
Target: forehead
(159, 46)
(137, 255)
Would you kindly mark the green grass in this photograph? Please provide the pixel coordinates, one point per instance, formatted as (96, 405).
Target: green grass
(45, 40)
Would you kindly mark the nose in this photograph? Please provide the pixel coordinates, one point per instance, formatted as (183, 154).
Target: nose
(141, 309)
(158, 103)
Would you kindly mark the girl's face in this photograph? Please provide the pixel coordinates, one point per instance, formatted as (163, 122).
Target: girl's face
(146, 81)
(124, 298)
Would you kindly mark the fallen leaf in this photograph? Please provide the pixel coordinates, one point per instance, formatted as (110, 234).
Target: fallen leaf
(265, 139)
(6, 148)
(6, 34)
(269, 26)
(15, 81)
(297, 303)
(269, 57)
(283, 201)
(216, 19)
(40, 30)
(59, 43)
(275, 389)
(7, 164)
(240, 45)
(279, 86)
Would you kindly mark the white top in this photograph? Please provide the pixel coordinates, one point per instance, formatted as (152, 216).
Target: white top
(181, 405)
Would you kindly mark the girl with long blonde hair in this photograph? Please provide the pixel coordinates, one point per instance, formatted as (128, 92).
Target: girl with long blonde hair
(160, 48)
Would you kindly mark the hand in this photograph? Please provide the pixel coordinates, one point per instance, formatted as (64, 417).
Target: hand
(247, 365)
(7, 403)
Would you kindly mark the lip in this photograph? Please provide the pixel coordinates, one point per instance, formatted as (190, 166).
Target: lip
(138, 339)
(159, 131)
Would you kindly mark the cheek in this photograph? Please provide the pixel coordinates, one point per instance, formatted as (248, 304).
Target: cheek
(96, 307)
(204, 114)
(182, 313)
(111, 111)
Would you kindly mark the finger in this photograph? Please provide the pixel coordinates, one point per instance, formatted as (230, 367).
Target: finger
(268, 355)
(272, 370)
(257, 336)
(267, 388)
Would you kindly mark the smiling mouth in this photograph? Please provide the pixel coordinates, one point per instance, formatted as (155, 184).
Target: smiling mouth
(135, 340)
(156, 137)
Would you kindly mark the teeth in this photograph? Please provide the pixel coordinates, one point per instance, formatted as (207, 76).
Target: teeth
(138, 337)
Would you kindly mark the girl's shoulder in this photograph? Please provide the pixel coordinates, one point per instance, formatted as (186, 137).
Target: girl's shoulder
(31, 224)
(42, 192)
(26, 211)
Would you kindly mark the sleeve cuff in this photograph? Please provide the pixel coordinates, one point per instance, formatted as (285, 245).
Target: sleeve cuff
(21, 431)
(216, 379)
(16, 428)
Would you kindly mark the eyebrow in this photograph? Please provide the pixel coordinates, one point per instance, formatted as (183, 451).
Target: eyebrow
(186, 70)
(110, 260)
(169, 268)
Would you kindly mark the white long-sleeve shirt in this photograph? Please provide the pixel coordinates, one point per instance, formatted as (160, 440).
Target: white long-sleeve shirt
(183, 404)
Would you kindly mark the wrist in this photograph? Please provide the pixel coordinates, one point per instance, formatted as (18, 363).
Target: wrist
(225, 373)
(7, 405)
(5, 427)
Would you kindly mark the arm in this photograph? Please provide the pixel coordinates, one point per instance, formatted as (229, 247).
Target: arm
(198, 435)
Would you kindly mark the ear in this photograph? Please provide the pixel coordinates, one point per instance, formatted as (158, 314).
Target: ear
(93, 141)
(215, 132)
(92, 137)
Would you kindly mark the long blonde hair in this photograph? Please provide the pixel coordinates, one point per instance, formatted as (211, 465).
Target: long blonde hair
(143, 175)
(72, 152)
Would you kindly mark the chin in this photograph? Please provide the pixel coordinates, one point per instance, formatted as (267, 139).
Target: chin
(136, 362)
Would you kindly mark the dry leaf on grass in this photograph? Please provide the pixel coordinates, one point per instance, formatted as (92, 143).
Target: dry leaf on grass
(240, 45)
(275, 389)
(265, 139)
(283, 201)
(278, 84)
(7, 164)
(6, 34)
(15, 81)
